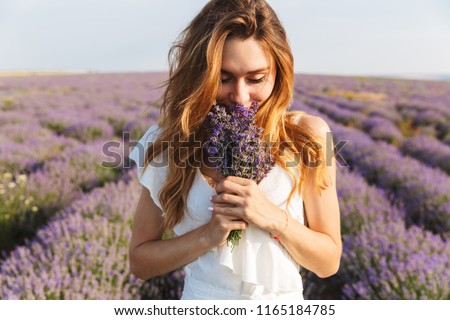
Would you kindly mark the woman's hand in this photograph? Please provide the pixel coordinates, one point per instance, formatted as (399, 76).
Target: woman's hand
(220, 226)
(242, 198)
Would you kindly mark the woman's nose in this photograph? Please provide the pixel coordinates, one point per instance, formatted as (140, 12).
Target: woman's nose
(240, 93)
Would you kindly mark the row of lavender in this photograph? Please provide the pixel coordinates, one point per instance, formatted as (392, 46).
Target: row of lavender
(382, 258)
(60, 137)
(42, 116)
(80, 254)
(27, 201)
(422, 102)
(424, 147)
(418, 120)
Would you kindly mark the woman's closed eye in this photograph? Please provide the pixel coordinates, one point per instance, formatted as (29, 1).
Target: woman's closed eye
(258, 80)
(252, 80)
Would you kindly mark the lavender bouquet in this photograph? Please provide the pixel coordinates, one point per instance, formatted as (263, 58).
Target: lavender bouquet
(235, 147)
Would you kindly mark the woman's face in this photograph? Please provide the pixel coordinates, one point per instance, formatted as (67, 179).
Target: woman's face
(247, 74)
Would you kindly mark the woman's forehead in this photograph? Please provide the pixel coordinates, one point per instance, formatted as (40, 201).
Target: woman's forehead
(244, 56)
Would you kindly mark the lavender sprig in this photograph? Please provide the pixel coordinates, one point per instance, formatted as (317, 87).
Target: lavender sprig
(235, 147)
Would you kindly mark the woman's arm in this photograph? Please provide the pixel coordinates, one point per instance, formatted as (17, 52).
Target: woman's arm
(151, 256)
(317, 247)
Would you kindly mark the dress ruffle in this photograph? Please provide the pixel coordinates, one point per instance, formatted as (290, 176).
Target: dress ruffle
(156, 172)
(258, 259)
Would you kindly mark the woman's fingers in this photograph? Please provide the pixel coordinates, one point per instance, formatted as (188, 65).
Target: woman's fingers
(227, 198)
(232, 222)
(238, 225)
(229, 185)
(220, 227)
(226, 210)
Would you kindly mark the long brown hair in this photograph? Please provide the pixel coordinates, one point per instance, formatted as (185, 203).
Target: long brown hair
(195, 63)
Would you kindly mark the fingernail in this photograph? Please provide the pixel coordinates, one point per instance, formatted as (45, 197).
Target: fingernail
(210, 208)
(210, 198)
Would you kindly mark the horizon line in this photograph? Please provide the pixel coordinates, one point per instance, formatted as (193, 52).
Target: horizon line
(405, 76)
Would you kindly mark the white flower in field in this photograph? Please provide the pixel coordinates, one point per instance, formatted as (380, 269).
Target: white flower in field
(27, 202)
(7, 176)
(34, 208)
(21, 197)
(30, 198)
(2, 191)
(11, 185)
(21, 178)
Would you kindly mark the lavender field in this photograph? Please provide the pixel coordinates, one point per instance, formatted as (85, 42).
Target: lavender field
(67, 192)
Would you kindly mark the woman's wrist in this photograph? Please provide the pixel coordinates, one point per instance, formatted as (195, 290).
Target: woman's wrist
(278, 235)
(204, 239)
(279, 223)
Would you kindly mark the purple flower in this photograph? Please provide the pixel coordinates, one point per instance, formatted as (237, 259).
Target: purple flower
(389, 261)
(82, 253)
(382, 129)
(428, 150)
(235, 147)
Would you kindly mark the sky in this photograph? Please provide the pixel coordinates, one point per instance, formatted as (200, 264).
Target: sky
(344, 37)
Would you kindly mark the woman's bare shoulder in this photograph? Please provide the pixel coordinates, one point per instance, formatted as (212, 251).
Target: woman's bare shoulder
(318, 126)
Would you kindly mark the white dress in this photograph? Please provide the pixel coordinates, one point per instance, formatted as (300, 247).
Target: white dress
(258, 267)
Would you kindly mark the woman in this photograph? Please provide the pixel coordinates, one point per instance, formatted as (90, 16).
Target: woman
(235, 52)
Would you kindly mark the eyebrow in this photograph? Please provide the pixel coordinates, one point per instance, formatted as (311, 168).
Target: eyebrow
(260, 70)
